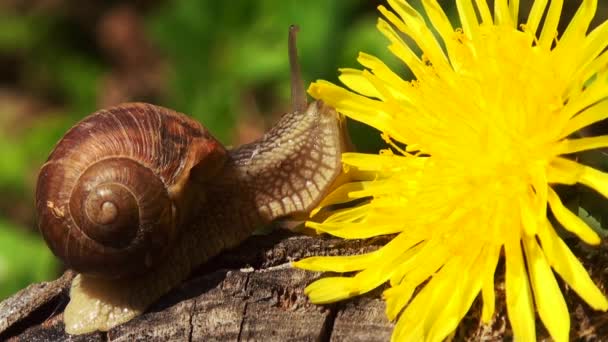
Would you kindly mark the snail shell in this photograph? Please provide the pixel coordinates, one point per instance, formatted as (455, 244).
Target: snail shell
(111, 193)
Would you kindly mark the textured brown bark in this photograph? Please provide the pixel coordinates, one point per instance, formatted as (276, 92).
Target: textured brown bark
(252, 294)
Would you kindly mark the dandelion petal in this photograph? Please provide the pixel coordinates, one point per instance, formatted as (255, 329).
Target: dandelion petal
(488, 296)
(570, 221)
(468, 17)
(548, 297)
(359, 83)
(329, 290)
(549, 30)
(577, 28)
(570, 269)
(520, 305)
(536, 13)
(584, 144)
(467, 284)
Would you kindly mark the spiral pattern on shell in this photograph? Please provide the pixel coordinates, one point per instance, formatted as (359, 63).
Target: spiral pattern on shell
(112, 192)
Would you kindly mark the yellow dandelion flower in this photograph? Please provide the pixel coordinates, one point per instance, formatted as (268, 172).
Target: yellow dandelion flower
(489, 122)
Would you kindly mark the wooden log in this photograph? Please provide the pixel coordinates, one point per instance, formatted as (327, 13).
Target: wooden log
(252, 294)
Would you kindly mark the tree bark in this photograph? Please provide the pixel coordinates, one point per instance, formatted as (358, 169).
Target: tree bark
(252, 294)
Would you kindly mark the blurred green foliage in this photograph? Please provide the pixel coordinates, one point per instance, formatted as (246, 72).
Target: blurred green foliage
(23, 259)
(249, 50)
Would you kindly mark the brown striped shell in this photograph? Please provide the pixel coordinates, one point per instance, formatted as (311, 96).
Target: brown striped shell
(110, 196)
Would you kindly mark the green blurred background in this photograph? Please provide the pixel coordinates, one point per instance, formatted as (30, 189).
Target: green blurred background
(223, 62)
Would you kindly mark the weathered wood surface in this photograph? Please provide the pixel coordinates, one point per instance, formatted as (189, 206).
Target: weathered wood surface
(251, 294)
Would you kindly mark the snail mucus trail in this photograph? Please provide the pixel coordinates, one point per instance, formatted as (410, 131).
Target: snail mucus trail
(135, 196)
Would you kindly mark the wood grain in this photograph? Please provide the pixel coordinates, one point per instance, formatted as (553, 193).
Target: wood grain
(251, 294)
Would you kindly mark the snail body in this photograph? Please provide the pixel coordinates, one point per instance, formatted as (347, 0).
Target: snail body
(136, 196)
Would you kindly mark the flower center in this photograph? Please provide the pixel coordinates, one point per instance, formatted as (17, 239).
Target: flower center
(506, 96)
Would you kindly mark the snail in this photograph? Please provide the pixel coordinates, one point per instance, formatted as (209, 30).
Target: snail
(135, 196)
